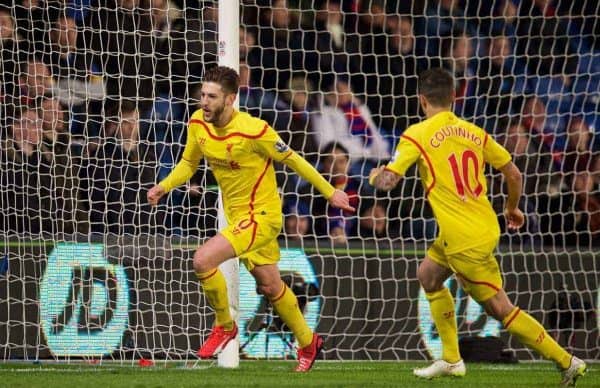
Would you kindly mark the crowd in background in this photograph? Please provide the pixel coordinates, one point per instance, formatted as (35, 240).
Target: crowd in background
(95, 96)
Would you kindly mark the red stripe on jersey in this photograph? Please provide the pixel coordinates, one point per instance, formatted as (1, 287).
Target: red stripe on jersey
(426, 159)
(490, 285)
(252, 198)
(287, 156)
(485, 139)
(221, 138)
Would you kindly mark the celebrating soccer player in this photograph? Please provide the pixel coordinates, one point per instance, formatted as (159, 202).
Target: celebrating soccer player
(240, 150)
(450, 154)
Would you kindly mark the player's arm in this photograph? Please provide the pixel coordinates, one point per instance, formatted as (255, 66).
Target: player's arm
(383, 179)
(514, 183)
(500, 159)
(387, 177)
(271, 145)
(182, 172)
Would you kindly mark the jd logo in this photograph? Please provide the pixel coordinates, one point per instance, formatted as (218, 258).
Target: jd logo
(84, 301)
(470, 319)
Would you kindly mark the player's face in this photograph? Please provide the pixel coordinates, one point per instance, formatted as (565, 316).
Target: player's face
(212, 102)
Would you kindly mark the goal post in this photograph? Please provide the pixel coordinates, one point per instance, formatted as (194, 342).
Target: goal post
(229, 53)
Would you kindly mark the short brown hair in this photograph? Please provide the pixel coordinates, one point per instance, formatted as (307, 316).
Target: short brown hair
(437, 85)
(224, 76)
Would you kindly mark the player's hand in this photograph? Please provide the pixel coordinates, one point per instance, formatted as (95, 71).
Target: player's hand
(155, 194)
(340, 200)
(374, 172)
(514, 218)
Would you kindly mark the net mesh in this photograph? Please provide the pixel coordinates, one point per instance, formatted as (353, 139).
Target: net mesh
(95, 100)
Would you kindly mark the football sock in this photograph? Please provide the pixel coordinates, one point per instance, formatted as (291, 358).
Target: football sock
(215, 290)
(442, 311)
(532, 334)
(286, 306)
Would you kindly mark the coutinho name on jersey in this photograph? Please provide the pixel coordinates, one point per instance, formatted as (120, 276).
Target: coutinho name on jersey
(445, 132)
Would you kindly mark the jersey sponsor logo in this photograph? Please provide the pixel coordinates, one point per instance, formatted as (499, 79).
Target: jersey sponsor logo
(232, 164)
(280, 146)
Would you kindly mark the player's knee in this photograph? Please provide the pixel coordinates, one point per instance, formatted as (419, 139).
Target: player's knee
(269, 290)
(428, 281)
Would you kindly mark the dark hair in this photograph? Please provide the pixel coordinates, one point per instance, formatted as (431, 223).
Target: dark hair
(437, 85)
(224, 76)
(332, 146)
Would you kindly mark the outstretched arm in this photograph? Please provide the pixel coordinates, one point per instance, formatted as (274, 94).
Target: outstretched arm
(182, 172)
(383, 179)
(336, 198)
(514, 182)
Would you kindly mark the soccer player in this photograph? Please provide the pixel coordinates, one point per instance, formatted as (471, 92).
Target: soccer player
(240, 150)
(450, 154)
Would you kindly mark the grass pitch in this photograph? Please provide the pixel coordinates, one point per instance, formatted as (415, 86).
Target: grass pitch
(277, 374)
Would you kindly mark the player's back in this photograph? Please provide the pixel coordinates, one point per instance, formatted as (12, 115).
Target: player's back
(452, 165)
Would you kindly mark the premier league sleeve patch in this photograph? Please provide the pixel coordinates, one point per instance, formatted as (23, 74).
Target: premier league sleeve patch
(281, 147)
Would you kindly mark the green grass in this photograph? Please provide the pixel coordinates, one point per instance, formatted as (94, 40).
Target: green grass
(278, 374)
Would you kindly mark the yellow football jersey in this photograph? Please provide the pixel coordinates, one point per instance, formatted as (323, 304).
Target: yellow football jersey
(451, 154)
(241, 156)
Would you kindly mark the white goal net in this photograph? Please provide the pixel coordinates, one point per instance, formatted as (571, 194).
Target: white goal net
(95, 97)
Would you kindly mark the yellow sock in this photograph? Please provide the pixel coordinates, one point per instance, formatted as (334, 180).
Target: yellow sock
(286, 306)
(442, 311)
(215, 290)
(532, 334)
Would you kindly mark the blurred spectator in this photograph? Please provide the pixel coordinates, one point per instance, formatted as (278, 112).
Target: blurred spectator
(13, 51)
(394, 93)
(33, 21)
(184, 42)
(299, 134)
(346, 121)
(373, 219)
(543, 128)
(41, 196)
(501, 82)
(120, 170)
(260, 102)
(332, 44)
(79, 80)
(542, 36)
(281, 42)
(35, 82)
(582, 171)
(119, 33)
(328, 221)
(458, 54)
(443, 18)
(249, 51)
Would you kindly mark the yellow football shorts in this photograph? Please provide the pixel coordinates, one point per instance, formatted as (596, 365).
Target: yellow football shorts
(476, 268)
(254, 238)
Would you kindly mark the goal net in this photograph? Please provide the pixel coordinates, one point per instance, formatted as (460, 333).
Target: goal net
(95, 98)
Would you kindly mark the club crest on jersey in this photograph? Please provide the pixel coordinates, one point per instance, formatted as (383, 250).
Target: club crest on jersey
(280, 146)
